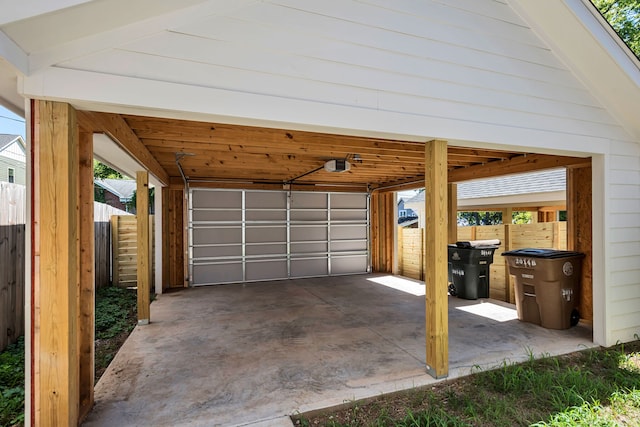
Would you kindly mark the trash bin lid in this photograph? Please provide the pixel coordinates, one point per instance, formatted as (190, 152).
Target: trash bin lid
(543, 253)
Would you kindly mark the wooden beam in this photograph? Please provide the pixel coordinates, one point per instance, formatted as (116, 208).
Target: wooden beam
(435, 259)
(507, 221)
(143, 251)
(86, 306)
(580, 231)
(117, 129)
(452, 199)
(519, 164)
(55, 257)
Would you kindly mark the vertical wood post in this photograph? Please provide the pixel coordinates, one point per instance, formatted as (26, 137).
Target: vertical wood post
(580, 232)
(143, 252)
(452, 197)
(400, 251)
(86, 298)
(55, 261)
(507, 221)
(435, 255)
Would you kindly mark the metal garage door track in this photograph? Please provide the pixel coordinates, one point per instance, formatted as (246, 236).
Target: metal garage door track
(251, 354)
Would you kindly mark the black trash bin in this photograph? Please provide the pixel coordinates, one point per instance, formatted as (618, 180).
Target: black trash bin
(469, 270)
(547, 286)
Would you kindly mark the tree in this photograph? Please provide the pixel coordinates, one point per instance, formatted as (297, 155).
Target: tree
(624, 17)
(102, 171)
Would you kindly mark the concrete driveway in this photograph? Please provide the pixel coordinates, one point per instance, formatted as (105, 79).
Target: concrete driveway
(253, 354)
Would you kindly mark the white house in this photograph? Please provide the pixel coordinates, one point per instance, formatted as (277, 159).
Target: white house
(13, 161)
(258, 95)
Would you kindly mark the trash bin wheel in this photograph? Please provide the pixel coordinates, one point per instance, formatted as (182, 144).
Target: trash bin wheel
(575, 317)
(452, 290)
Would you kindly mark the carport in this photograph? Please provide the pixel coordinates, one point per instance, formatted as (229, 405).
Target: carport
(256, 353)
(264, 94)
(188, 157)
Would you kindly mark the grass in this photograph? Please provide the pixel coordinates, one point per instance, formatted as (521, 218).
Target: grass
(12, 384)
(596, 387)
(115, 319)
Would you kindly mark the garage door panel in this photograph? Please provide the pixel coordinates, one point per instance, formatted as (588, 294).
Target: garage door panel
(348, 245)
(348, 201)
(216, 199)
(266, 269)
(309, 201)
(209, 274)
(302, 215)
(217, 235)
(308, 233)
(266, 215)
(214, 215)
(309, 267)
(349, 264)
(265, 200)
(266, 249)
(262, 234)
(352, 231)
(309, 247)
(217, 251)
(252, 235)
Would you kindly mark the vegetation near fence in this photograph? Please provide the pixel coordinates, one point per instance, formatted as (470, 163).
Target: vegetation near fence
(512, 236)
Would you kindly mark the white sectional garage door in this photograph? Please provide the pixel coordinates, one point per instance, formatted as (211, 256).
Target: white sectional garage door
(245, 235)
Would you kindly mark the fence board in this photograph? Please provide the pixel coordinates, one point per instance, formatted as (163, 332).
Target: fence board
(538, 235)
(125, 249)
(11, 283)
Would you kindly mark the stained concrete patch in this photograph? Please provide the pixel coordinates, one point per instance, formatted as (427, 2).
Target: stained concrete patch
(252, 354)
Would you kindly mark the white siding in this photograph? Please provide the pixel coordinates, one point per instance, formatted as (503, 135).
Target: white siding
(624, 238)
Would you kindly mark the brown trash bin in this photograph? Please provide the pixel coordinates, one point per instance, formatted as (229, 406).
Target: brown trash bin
(547, 286)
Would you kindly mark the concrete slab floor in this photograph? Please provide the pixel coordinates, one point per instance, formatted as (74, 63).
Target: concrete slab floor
(252, 354)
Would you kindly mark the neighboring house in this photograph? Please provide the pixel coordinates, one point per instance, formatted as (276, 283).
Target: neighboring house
(535, 190)
(118, 193)
(406, 216)
(12, 159)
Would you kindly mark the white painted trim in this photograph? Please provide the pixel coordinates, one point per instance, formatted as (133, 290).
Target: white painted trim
(28, 303)
(14, 55)
(601, 274)
(95, 91)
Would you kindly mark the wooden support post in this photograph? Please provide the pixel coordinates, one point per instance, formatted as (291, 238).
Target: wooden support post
(86, 306)
(580, 232)
(452, 197)
(507, 221)
(143, 252)
(435, 256)
(55, 260)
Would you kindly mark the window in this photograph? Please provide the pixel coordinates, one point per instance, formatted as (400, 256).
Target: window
(12, 175)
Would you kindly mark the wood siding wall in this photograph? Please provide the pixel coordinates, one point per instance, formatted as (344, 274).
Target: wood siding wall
(125, 247)
(382, 231)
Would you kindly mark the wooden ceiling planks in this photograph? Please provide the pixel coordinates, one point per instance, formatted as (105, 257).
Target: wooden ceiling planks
(228, 153)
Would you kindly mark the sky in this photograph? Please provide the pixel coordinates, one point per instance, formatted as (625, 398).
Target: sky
(11, 123)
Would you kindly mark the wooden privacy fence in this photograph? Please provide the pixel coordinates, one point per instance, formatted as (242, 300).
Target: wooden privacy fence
(513, 236)
(12, 251)
(124, 249)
